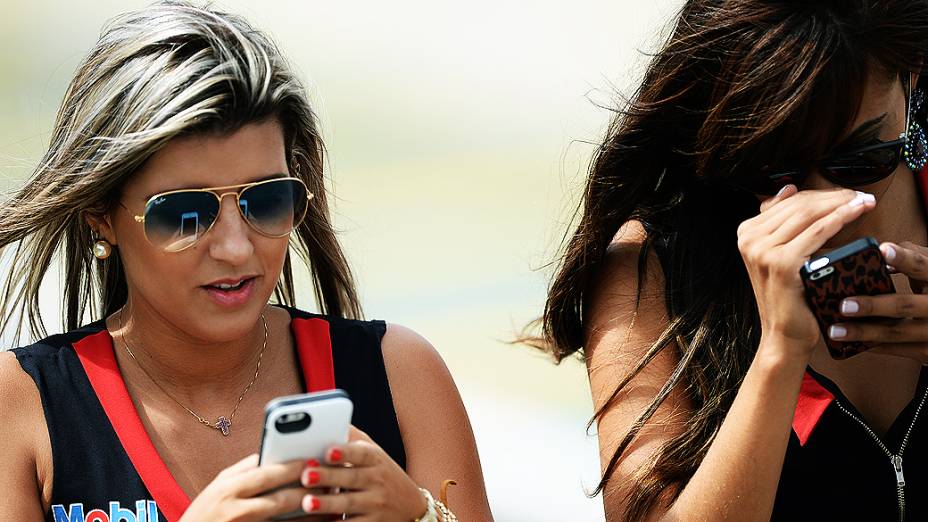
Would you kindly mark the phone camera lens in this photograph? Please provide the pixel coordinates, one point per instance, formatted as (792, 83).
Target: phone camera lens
(293, 422)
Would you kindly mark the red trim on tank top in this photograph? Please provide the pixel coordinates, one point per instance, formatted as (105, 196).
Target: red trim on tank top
(922, 179)
(99, 361)
(814, 399)
(314, 348)
(318, 368)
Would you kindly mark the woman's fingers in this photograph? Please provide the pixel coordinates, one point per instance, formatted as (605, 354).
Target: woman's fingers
(784, 193)
(899, 306)
(907, 258)
(268, 477)
(805, 216)
(278, 502)
(246, 463)
(347, 477)
(801, 203)
(816, 234)
(876, 334)
(815, 222)
(356, 453)
(357, 434)
(351, 503)
(783, 222)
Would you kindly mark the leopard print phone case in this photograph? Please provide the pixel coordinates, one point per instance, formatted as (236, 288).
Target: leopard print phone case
(854, 269)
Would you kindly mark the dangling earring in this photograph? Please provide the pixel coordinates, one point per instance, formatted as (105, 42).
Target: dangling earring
(296, 166)
(915, 151)
(102, 249)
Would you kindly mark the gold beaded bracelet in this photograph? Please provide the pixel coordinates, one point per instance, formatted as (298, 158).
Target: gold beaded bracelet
(430, 514)
(434, 508)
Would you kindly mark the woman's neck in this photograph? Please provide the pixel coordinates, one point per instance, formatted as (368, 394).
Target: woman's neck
(183, 363)
(899, 215)
(881, 385)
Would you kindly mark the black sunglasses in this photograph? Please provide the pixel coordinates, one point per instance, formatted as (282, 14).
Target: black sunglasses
(853, 168)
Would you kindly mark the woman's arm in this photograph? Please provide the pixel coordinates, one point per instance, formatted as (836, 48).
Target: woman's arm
(617, 339)
(25, 478)
(738, 478)
(435, 428)
(437, 438)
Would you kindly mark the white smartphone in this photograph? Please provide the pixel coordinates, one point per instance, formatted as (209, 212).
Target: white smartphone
(303, 427)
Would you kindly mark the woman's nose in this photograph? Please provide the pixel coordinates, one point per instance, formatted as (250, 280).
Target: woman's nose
(231, 241)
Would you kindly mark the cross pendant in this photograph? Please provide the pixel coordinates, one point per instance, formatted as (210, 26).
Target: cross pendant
(224, 425)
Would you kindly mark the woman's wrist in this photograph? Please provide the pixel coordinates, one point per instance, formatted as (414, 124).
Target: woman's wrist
(430, 514)
(779, 357)
(781, 350)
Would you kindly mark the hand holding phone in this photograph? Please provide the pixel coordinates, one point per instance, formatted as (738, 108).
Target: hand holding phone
(855, 269)
(792, 226)
(302, 427)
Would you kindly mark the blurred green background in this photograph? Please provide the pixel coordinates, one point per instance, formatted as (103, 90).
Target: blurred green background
(458, 137)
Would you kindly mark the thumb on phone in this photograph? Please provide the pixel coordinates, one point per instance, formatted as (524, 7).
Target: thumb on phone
(356, 434)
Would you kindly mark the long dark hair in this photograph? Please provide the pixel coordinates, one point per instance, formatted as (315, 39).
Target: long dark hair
(171, 69)
(740, 85)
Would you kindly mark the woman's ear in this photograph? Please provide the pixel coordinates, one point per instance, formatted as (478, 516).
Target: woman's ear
(101, 225)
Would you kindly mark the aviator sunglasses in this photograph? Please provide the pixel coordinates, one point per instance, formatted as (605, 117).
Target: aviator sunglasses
(857, 167)
(178, 219)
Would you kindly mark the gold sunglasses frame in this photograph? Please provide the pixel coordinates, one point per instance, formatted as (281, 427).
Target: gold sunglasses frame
(220, 193)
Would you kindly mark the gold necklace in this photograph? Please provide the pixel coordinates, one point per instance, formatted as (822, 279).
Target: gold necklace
(223, 424)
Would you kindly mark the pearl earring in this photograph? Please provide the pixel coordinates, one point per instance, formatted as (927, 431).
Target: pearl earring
(102, 249)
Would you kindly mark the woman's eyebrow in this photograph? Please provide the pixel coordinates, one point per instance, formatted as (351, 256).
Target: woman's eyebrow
(865, 134)
(191, 187)
(270, 176)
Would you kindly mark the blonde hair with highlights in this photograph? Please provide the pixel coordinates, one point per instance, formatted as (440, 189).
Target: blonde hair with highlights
(172, 69)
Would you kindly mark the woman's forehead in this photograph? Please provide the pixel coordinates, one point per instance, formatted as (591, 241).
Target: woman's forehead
(252, 152)
(882, 98)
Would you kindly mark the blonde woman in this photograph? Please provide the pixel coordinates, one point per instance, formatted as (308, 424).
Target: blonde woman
(184, 164)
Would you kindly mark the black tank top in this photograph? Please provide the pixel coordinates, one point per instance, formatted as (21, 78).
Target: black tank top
(838, 468)
(106, 468)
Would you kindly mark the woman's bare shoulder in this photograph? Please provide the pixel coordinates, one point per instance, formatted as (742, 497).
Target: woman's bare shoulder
(26, 450)
(19, 398)
(625, 317)
(617, 298)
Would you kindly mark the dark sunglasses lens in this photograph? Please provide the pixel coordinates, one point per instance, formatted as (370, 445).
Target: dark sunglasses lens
(865, 167)
(175, 221)
(760, 187)
(274, 208)
(765, 184)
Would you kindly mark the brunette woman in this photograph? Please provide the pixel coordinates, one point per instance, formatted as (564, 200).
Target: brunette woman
(763, 133)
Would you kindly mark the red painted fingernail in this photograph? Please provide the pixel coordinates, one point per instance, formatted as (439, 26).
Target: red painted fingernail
(312, 463)
(335, 455)
(310, 504)
(309, 477)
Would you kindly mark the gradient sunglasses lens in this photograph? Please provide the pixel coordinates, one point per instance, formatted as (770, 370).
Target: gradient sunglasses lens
(175, 221)
(275, 207)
